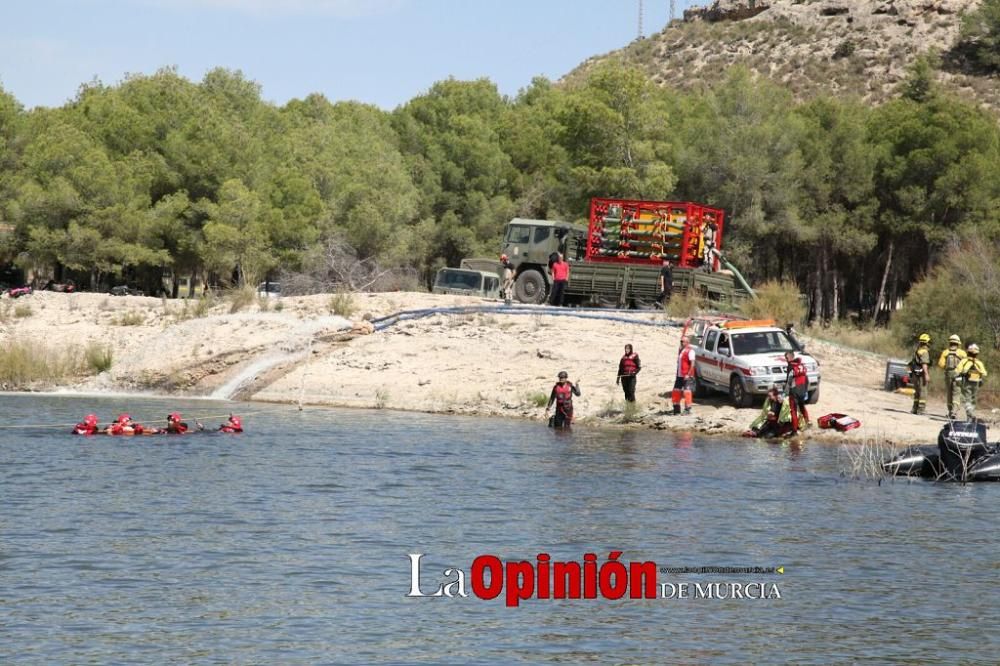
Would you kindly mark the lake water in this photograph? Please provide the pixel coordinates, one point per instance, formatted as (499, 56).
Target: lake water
(288, 544)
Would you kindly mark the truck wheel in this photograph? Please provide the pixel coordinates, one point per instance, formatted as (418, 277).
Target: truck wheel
(813, 397)
(738, 394)
(530, 287)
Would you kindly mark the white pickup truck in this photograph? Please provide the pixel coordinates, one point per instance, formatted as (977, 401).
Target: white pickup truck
(745, 359)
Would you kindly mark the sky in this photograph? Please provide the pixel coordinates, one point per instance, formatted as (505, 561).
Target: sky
(382, 52)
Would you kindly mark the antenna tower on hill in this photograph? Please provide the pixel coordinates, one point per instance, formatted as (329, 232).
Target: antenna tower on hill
(640, 19)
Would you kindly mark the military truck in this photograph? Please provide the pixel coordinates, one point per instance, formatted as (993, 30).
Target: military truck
(616, 259)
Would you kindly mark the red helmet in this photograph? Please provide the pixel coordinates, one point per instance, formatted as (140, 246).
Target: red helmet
(503, 257)
(175, 416)
(235, 420)
(90, 419)
(124, 418)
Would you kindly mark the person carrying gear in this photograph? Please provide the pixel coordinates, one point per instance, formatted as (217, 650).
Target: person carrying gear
(919, 375)
(684, 384)
(775, 418)
(970, 373)
(950, 358)
(562, 395)
(88, 426)
(628, 367)
(507, 290)
(797, 388)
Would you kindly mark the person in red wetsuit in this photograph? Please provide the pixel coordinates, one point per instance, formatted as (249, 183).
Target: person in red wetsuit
(562, 395)
(560, 276)
(233, 425)
(628, 367)
(175, 426)
(88, 426)
(797, 388)
(684, 384)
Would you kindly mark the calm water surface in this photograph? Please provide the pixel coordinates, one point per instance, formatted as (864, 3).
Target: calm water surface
(289, 544)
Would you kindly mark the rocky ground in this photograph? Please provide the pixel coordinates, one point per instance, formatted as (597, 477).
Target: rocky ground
(486, 363)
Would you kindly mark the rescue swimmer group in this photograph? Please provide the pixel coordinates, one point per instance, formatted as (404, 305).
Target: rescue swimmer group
(125, 425)
(779, 417)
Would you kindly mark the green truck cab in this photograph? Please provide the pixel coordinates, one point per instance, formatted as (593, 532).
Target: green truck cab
(467, 282)
(529, 243)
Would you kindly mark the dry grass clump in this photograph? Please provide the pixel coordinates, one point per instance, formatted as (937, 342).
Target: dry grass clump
(24, 363)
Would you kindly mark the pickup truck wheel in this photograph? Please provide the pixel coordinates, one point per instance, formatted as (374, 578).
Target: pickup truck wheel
(738, 394)
(813, 397)
(530, 287)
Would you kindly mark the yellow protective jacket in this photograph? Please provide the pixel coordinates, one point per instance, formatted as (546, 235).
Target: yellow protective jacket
(921, 357)
(784, 414)
(971, 369)
(956, 355)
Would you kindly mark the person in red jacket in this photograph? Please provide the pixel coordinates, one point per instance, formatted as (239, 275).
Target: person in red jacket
(88, 426)
(628, 367)
(124, 425)
(562, 395)
(797, 388)
(560, 276)
(684, 384)
(174, 424)
(233, 425)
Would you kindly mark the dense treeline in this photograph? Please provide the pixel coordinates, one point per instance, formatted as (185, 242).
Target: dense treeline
(854, 203)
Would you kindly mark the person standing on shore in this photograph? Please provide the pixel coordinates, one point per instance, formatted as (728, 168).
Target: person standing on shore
(949, 360)
(562, 395)
(797, 389)
(560, 276)
(628, 367)
(970, 372)
(919, 374)
(684, 384)
(666, 284)
(508, 279)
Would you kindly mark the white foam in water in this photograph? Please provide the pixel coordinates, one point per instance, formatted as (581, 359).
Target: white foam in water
(296, 347)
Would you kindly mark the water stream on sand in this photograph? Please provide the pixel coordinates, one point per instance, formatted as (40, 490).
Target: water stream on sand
(289, 544)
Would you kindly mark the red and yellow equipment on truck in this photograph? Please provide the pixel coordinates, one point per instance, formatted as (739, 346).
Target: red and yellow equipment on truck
(615, 260)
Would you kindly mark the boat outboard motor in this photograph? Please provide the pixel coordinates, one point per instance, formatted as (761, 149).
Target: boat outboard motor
(914, 461)
(961, 444)
(986, 468)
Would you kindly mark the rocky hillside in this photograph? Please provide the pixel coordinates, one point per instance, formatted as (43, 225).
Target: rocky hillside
(853, 47)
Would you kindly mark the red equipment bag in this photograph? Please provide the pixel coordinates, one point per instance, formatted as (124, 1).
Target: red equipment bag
(839, 422)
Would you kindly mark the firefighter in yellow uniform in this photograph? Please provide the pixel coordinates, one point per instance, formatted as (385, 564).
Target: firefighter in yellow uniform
(919, 375)
(970, 373)
(950, 358)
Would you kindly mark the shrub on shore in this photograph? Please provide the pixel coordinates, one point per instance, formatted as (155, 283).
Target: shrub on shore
(778, 300)
(342, 304)
(98, 356)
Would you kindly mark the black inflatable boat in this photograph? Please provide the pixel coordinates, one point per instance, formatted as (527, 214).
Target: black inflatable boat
(961, 454)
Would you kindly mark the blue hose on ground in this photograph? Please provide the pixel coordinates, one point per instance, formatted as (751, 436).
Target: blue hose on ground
(605, 314)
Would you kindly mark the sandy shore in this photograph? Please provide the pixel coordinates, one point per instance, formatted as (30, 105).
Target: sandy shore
(485, 364)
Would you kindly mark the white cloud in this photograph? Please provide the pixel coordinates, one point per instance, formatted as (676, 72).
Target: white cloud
(337, 8)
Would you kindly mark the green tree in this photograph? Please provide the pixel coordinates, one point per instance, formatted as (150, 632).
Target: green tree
(980, 32)
(236, 236)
